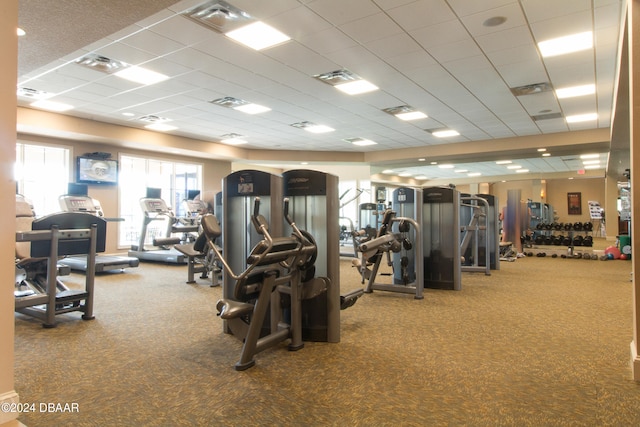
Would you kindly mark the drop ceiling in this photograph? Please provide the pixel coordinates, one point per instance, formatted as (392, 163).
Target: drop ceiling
(440, 57)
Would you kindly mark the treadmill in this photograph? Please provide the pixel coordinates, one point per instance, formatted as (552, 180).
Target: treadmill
(83, 203)
(155, 209)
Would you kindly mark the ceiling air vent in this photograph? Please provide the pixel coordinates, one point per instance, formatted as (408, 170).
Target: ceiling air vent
(531, 89)
(101, 63)
(218, 15)
(337, 77)
(229, 102)
(27, 92)
(153, 119)
(549, 116)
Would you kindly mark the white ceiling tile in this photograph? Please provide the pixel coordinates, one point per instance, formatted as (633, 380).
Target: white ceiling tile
(454, 51)
(151, 42)
(339, 12)
(360, 30)
(394, 46)
(562, 26)
(516, 37)
(327, 41)
(126, 53)
(298, 22)
(466, 7)
(439, 34)
(421, 13)
(182, 31)
(542, 10)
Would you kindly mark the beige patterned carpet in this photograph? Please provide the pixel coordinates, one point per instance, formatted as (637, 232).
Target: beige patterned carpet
(541, 342)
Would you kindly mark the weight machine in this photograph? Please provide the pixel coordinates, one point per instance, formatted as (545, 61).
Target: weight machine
(39, 242)
(278, 277)
(474, 244)
(386, 242)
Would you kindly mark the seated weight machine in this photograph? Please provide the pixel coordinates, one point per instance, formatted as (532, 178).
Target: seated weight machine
(386, 242)
(39, 242)
(278, 277)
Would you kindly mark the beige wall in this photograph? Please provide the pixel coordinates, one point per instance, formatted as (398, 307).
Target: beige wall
(8, 76)
(212, 170)
(591, 190)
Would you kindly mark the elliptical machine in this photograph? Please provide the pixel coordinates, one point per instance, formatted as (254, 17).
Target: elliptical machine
(280, 264)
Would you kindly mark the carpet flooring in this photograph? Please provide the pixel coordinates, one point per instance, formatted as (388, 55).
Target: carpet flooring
(540, 342)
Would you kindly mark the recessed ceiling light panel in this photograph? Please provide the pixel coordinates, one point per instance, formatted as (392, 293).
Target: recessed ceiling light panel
(582, 118)
(362, 142)
(312, 127)
(258, 36)
(141, 75)
(566, 44)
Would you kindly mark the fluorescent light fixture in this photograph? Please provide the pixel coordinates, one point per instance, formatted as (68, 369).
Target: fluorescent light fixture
(405, 174)
(356, 87)
(387, 171)
(52, 105)
(434, 163)
(503, 162)
(591, 162)
(514, 167)
(472, 174)
(412, 115)
(420, 177)
(234, 141)
(546, 154)
(581, 118)
(461, 170)
(258, 36)
(570, 92)
(445, 133)
(162, 127)
(422, 159)
(362, 142)
(541, 150)
(141, 75)
(446, 166)
(252, 108)
(319, 129)
(589, 156)
(566, 44)
(522, 171)
(128, 114)
(592, 167)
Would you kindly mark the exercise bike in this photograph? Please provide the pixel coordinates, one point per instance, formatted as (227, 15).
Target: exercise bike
(283, 265)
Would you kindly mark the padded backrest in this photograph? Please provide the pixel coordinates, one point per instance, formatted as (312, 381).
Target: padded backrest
(24, 218)
(281, 250)
(211, 227)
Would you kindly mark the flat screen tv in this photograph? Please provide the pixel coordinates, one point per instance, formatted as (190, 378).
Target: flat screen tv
(96, 171)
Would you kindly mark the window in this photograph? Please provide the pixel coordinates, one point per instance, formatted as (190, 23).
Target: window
(42, 175)
(136, 174)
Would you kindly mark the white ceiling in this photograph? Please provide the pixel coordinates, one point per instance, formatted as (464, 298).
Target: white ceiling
(434, 55)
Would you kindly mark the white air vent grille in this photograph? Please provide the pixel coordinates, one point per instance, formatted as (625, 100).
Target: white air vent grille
(218, 15)
(101, 63)
(531, 89)
(229, 102)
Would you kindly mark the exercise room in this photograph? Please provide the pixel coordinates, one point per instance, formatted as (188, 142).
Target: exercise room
(319, 213)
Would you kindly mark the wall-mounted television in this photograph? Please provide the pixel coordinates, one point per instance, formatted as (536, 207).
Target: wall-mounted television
(96, 171)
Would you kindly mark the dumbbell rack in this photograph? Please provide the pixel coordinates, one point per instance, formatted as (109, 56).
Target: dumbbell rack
(546, 239)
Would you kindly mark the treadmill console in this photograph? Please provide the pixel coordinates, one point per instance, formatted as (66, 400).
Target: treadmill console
(154, 205)
(81, 204)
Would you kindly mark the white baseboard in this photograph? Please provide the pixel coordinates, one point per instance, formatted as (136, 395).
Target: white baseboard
(10, 398)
